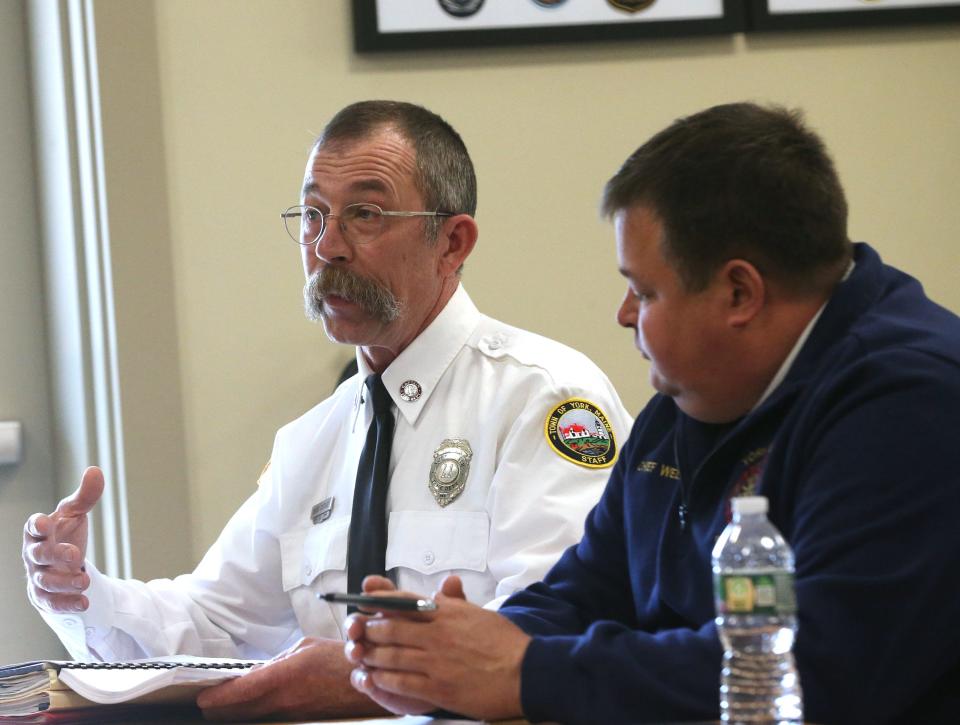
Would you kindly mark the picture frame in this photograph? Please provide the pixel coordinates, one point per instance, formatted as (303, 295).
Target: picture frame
(774, 15)
(396, 25)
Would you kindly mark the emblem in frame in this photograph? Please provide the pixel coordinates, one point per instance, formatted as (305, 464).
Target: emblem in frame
(631, 6)
(449, 470)
(461, 8)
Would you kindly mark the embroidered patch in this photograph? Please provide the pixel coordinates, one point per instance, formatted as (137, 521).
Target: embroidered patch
(749, 478)
(580, 432)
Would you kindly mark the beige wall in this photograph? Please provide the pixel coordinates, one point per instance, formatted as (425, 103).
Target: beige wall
(244, 86)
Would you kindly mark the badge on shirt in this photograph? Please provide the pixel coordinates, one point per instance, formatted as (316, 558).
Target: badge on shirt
(580, 432)
(449, 470)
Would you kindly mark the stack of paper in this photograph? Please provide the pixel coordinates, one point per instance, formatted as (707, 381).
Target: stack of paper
(41, 691)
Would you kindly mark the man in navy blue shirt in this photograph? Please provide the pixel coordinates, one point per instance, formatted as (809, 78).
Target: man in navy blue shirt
(789, 363)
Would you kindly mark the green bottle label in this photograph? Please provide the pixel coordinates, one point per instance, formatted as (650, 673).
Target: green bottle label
(756, 592)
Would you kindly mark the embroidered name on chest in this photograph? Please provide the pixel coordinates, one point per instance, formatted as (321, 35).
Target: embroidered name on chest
(661, 469)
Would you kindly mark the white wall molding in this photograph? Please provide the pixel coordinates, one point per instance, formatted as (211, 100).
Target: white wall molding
(88, 425)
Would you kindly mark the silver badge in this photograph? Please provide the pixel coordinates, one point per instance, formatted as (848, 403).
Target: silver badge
(410, 390)
(448, 473)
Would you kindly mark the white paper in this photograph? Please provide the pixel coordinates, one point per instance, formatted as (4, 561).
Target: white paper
(110, 686)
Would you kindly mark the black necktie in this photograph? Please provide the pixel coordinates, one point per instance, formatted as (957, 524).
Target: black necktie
(368, 524)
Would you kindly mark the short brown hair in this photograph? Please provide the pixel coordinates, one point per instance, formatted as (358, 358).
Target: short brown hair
(740, 181)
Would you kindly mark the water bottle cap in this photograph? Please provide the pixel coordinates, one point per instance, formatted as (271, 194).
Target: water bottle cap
(749, 504)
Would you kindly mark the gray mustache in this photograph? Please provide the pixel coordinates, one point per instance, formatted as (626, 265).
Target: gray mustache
(372, 297)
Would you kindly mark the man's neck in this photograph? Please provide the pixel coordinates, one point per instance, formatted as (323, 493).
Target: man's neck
(378, 357)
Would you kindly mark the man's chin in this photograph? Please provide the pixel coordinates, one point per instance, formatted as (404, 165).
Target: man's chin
(663, 386)
(341, 331)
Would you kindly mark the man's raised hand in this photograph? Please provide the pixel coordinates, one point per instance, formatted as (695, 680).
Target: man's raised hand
(55, 546)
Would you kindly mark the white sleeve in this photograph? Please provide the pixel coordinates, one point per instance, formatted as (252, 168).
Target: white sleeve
(232, 605)
(539, 498)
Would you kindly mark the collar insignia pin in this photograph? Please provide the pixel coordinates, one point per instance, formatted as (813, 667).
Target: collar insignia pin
(449, 470)
(410, 390)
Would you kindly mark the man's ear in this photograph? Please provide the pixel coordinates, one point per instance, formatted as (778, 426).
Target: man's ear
(745, 291)
(457, 239)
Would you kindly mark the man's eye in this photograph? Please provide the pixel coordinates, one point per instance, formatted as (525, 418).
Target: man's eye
(311, 215)
(364, 213)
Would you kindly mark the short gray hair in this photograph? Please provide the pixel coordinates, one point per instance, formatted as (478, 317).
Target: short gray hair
(444, 176)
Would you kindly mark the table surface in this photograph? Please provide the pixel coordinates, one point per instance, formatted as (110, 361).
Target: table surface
(408, 720)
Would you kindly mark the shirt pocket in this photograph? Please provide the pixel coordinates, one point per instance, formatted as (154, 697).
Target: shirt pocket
(307, 553)
(435, 541)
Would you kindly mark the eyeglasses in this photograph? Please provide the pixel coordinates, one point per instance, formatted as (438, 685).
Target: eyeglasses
(359, 223)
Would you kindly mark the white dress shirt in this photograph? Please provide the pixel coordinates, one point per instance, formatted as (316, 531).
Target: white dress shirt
(254, 592)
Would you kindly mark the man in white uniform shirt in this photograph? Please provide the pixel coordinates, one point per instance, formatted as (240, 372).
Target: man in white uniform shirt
(501, 442)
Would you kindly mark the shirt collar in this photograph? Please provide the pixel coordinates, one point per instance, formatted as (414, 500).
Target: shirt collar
(425, 360)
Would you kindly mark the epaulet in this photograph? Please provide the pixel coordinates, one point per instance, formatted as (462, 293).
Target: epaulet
(499, 340)
(497, 344)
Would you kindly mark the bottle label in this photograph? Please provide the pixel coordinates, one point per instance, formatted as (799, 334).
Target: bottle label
(756, 592)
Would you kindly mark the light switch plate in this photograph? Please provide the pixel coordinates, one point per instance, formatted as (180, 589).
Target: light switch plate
(11, 442)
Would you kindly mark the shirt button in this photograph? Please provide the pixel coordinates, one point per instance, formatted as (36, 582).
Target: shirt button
(494, 344)
(70, 622)
(308, 570)
(90, 631)
(429, 558)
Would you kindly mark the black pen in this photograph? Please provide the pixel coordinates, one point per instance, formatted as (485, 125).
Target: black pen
(383, 602)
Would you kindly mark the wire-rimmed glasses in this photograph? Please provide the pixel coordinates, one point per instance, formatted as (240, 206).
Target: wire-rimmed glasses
(359, 223)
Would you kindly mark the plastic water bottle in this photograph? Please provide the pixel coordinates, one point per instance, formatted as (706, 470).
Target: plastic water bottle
(756, 619)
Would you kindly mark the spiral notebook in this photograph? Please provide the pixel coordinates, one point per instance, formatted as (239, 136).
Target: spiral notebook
(44, 690)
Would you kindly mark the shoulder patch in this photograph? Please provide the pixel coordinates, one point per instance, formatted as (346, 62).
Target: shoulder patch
(580, 432)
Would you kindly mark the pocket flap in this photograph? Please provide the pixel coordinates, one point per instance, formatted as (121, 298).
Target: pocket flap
(307, 553)
(432, 541)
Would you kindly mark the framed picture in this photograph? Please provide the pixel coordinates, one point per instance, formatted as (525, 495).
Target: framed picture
(382, 25)
(808, 14)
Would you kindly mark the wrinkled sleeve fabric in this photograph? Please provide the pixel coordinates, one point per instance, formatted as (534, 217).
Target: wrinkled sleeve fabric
(591, 659)
(232, 605)
(538, 500)
(873, 528)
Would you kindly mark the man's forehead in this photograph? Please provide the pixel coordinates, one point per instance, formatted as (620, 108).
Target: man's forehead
(381, 162)
(312, 187)
(638, 228)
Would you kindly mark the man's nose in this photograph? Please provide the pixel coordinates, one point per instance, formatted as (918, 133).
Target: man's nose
(332, 246)
(627, 313)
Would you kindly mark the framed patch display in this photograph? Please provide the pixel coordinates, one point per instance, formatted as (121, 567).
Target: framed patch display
(384, 25)
(811, 14)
